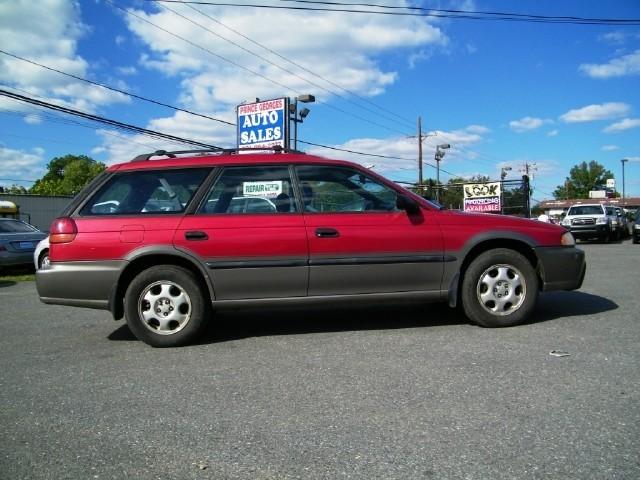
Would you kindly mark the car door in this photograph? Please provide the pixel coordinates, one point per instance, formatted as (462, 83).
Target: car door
(250, 235)
(359, 241)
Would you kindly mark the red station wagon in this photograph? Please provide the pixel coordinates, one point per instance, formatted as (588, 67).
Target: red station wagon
(167, 242)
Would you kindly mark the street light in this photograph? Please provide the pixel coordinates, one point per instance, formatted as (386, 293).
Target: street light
(439, 156)
(298, 117)
(503, 174)
(623, 161)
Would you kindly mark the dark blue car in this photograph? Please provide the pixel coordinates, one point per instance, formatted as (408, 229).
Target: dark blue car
(18, 240)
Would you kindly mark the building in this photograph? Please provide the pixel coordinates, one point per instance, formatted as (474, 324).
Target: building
(38, 210)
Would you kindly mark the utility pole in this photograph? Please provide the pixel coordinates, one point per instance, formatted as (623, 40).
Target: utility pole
(623, 161)
(438, 157)
(420, 154)
(528, 168)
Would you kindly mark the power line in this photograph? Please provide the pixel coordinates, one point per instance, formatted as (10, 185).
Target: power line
(355, 152)
(246, 69)
(440, 10)
(113, 89)
(104, 120)
(283, 58)
(459, 14)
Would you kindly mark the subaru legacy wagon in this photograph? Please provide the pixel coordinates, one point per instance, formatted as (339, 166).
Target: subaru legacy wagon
(189, 234)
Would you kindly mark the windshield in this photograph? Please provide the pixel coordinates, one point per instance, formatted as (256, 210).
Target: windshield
(15, 226)
(585, 210)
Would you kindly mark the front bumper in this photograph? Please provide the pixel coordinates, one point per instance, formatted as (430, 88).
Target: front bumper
(79, 284)
(589, 231)
(561, 268)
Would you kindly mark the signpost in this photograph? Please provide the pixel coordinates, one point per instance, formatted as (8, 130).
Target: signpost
(482, 197)
(263, 125)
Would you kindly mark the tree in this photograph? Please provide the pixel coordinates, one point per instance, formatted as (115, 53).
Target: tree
(67, 175)
(581, 180)
(14, 189)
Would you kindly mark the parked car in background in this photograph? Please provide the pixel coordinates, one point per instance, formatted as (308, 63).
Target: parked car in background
(636, 227)
(18, 241)
(588, 221)
(615, 222)
(623, 222)
(193, 234)
(41, 254)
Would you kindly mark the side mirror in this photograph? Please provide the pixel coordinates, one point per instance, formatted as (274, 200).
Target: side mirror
(407, 204)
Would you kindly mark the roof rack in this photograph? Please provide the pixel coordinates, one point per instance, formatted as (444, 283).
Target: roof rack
(222, 151)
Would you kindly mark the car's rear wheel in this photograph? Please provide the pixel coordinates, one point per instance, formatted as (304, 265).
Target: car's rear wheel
(499, 289)
(43, 260)
(165, 306)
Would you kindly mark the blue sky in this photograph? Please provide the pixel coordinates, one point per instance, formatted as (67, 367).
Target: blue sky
(501, 93)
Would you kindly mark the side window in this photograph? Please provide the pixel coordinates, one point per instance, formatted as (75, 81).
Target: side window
(166, 191)
(258, 189)
(341, 189)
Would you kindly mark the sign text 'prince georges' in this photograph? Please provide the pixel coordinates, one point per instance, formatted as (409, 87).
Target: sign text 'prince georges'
(262, 124)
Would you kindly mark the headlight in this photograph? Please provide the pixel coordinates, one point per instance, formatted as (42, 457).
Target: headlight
(567, 239)
(601, 221)
(565, 222)
(636, 226)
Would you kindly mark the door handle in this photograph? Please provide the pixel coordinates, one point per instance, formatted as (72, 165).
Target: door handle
(196, 235)
(327, 233)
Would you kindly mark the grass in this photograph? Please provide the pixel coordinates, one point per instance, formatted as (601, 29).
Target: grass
(17, 274)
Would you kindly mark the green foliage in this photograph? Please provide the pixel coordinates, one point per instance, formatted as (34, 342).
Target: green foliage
(583, 178)
(67, 175)
(14, 189)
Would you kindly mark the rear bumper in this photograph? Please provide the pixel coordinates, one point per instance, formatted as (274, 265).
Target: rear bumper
(10, 259)
(79, 284)
(561, 268)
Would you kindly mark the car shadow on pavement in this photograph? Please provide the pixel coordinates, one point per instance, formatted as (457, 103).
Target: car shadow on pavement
(246, 323)
(553, 305)
(7, 283)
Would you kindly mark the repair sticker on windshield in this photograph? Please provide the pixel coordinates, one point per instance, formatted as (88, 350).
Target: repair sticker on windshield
(262, 189)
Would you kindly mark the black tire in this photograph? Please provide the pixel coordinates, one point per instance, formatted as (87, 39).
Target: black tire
(606, 238)
(180, 303)
(510, 300)
(43, 258)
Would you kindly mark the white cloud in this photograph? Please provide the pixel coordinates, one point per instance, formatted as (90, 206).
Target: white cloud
(617, 37)
(526, 124)
(610, 148)
(552, 133)
(117, 147)
(48, 34)
(120, 40)
(32, 119)
(21, 164)
(622, 125)
(127, 70)
(595, 112)
(618, 67)
(341, 47)
(406, 150)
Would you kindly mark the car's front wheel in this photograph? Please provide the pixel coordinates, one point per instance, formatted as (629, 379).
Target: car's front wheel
(165, 306)
(499, 288)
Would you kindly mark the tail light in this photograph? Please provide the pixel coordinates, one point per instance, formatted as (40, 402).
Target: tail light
(63, 230)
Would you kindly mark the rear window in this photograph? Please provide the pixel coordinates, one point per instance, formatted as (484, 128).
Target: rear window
(586, 210)
(15, 226)
(166, 191)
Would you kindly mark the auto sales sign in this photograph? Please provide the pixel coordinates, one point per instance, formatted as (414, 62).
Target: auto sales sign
(263, 124)
(482, 197)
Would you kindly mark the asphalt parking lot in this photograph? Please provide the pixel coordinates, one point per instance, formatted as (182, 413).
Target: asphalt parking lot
(390, 393)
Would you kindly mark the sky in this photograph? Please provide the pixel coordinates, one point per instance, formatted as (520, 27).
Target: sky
(502, 94)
